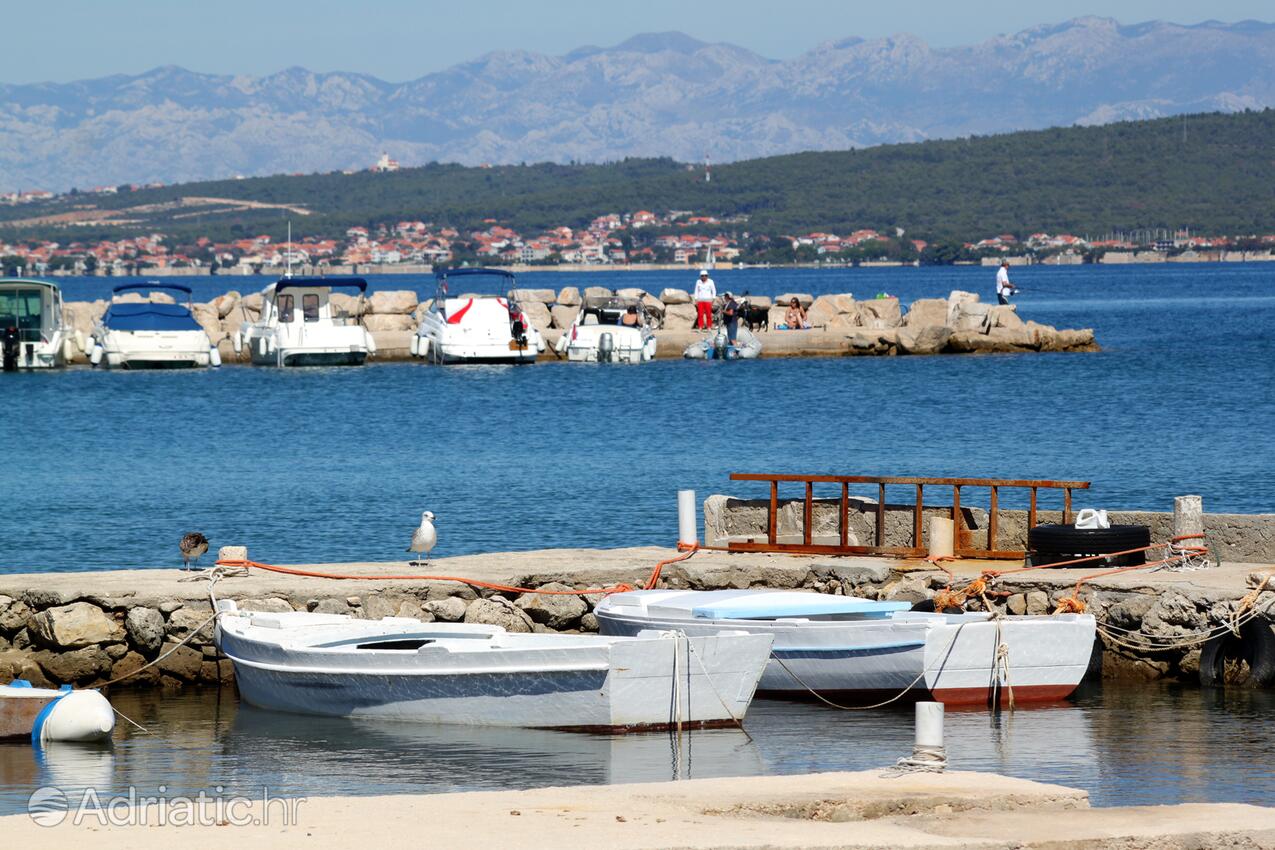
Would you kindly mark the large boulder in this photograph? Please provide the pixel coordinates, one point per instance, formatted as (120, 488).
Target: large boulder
(596, 292)
(955, 299)
(1044, 337)
(653, 305)
(73, 626)
(251, 305)
(400, 302)
(225, 303)
(557, 611)
(927, 339)
(538, 314)
(344, 304)
(80, 665)
(679, 316)
(569, 297)
(675, 296)
(880, 313)
(1004, 316)
(630, 292)
(14, 614)
(825, 309)
(777, 314)
(971, 316)
(926, 312)
(498, 611)
(145, 627)
(1077, 340)
(534, 296)
(389, 322)
(763, 301)
(83, 315)
(563, 316)
(805, 299)
(206, 316)
(450, 609)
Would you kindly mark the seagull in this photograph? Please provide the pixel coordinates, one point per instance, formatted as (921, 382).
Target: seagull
(424, 538)
(193, 547)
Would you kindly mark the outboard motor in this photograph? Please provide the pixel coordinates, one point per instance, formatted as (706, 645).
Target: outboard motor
(606, 348)
(518, 329)
(10, 348)
(721, 345)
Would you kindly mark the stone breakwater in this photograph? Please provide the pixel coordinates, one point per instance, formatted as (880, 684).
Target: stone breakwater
(89, 628)
(840, 325)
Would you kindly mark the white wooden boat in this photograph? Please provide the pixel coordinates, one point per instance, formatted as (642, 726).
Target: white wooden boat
(150, 332)
(32, 332)
(401, 668)
(476, 327)
(47, 714)
(598, 335)
(297, 325)
(867, 650)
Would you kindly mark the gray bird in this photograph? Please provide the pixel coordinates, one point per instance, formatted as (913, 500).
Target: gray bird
(193, 547)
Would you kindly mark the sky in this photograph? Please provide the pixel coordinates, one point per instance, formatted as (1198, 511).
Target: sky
(399, 40)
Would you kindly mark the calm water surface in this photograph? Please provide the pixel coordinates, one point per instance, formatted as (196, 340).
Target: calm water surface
(1125, 744)
(104, 470)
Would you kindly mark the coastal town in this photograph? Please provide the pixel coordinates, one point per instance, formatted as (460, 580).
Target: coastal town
(638, 238)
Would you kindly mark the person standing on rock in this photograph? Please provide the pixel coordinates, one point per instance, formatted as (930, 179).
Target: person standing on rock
(1004, 288)
(705, 292)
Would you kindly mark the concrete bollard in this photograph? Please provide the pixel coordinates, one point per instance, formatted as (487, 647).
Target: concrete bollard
(942, 537)
(1188, 515)
(232, 553)
(687, 526)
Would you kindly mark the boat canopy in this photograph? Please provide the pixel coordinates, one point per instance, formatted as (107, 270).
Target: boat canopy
(335, 282)
(443, 275)
(145, 316)
(145, 287)
(767, 606)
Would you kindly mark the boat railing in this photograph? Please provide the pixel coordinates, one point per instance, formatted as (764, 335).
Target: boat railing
(965, 545)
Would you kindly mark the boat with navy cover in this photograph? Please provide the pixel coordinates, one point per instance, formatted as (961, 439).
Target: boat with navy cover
(473, 674)
(298, 325)
(476, 327)
(867, 650)
(33, 334)
(151, 330)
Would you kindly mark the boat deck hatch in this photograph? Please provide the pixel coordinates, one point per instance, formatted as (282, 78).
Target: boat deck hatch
(412, 644)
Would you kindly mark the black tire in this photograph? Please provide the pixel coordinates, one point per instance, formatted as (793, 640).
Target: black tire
(1255, 646)
(927, 605)
(1053, 543)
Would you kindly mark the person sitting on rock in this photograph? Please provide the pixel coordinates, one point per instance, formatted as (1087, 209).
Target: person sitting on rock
(795, 317)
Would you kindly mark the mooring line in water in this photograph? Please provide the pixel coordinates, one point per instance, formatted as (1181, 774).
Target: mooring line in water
(131, 720)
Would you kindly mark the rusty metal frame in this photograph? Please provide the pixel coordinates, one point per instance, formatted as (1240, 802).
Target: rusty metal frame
(963, 546)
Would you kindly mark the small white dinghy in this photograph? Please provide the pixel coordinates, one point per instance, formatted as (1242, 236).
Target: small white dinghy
(719, 347)
(403, 669)
(870, 650)
(46, 714)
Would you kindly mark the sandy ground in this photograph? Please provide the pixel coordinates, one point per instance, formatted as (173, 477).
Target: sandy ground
(867, 809)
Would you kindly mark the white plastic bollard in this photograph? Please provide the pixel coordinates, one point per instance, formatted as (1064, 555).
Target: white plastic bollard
(687, 525)
(929, 726)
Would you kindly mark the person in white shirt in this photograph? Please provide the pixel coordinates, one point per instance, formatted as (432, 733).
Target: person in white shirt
(1004, 288)
(705, 292)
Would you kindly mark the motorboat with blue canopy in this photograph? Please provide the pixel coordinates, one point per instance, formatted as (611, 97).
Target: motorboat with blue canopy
(483, 326)
(300, 324)
(33, 334)
(866, 650)
(151, 326)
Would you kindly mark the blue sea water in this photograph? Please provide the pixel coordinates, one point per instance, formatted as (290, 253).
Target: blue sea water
(108, 469)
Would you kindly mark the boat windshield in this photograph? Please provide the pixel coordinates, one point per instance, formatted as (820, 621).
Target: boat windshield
(24, 308)
(610, 310)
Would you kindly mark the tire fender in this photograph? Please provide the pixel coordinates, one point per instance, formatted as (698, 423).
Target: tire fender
(1255, 644)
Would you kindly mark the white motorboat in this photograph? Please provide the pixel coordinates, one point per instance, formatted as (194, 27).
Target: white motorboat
(33, 334)
(719, 347)
(297, 325)
(401, 668)
(598, 333)
(869, 650)
(476, 327)
(151, 333)
(53, 714)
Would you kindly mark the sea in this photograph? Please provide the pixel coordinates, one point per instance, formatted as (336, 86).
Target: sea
(107, 470)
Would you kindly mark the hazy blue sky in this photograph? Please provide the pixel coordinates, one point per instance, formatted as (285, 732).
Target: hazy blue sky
(400, 40)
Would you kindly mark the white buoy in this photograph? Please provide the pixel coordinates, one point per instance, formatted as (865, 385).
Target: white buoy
(416, 345)
(687, 526)
(214, 356)
(371, 342)
(78, 716)
(236, 341)
(929, 725)
(96, 357)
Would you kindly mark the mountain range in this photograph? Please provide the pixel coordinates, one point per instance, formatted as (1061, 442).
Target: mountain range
(658, 94)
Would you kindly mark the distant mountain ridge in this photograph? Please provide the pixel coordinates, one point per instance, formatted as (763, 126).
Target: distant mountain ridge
(656, 94)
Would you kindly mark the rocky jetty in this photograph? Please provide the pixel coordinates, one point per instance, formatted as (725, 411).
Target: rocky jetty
(840, 325)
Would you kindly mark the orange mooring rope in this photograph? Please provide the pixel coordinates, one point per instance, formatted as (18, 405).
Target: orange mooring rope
(687, 549)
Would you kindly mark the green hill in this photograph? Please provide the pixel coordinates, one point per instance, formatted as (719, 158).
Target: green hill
(1212, 173)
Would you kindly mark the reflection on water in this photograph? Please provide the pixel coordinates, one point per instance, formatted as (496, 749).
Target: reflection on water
(1124, 743)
